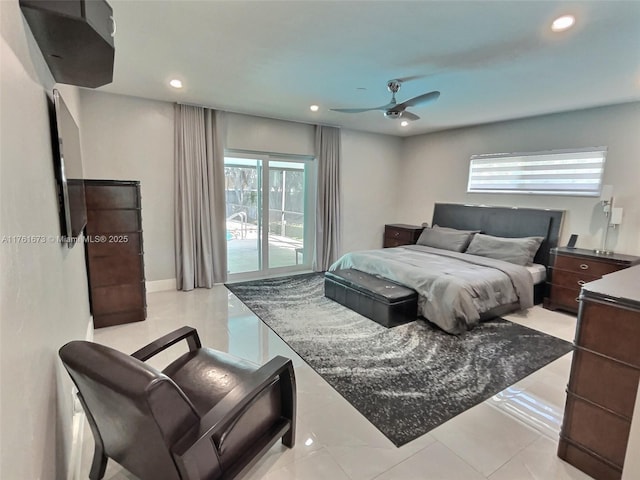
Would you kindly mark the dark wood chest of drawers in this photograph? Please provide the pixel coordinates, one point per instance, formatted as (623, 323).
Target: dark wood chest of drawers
(604, 376)
(398, 234)
(573, 267)
(114, 252)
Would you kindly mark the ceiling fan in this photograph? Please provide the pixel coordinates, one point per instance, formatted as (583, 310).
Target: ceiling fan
(393, 109)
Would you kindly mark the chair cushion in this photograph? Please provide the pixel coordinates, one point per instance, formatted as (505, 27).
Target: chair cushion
(206, 376)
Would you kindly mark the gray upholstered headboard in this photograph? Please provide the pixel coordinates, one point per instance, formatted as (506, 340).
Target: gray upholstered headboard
(504, 222)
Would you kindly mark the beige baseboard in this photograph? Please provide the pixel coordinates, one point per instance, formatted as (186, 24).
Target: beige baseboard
(161, 285)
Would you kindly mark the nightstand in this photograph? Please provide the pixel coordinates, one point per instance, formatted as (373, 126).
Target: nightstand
(398, 234)
(573, 267)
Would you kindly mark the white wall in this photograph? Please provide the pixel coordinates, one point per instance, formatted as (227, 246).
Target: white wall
(130, 138)
(435, 168)
(44, 295)
(258, 134)
(369, 184)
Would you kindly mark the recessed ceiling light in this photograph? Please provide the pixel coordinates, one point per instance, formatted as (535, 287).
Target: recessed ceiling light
(175, 83)
(563, 23)
(404, 123)
(314, 108)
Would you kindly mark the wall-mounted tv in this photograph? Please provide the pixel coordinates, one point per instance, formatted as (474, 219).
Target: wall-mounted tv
(67, 159)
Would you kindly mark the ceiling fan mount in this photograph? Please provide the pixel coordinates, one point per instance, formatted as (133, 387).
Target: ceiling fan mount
(393, 109)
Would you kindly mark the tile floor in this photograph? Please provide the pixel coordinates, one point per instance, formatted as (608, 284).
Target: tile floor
(512, 436)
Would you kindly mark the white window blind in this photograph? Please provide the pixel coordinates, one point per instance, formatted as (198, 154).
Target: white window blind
(558, 172)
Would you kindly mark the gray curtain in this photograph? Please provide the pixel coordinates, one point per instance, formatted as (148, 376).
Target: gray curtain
(200, 225)
(328, 153)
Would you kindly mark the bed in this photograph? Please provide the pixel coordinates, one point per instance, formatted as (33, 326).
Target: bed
(459, 285)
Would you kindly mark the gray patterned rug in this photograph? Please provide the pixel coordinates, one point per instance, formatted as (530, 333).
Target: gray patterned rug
(405, 380)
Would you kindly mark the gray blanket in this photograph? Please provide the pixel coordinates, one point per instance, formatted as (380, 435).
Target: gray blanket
(454, 288)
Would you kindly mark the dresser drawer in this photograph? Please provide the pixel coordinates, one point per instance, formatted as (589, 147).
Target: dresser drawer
(116, 245)
(610, 330)
(110, 319)
(112, 221)
(111, 196)
(394, 242)
(117, 298)
(595, 268)
(115, 270)
(596, 429)
(604, 381)
(586, 461)
(570, 279)
(396, 235)
(400, 235)
(565, 298)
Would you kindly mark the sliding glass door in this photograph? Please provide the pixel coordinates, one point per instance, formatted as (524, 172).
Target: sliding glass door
(270, 214)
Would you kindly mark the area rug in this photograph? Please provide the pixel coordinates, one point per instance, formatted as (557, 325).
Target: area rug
(405, 380)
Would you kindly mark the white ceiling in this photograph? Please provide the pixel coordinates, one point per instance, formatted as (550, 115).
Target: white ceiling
(491, 61)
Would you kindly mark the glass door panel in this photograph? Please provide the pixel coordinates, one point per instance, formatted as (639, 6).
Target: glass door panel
(270, 206)
(244, 214)
(286, 214)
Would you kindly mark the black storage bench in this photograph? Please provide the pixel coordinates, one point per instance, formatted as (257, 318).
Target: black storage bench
(379, 299)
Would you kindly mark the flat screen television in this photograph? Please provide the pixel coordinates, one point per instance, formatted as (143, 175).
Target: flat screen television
(67, 159)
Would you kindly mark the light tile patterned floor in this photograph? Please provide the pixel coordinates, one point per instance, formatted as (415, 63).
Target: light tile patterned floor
(512, 436)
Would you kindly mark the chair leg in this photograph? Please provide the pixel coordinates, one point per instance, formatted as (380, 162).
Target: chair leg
(289, 407)
(289, 438)
(99, 463)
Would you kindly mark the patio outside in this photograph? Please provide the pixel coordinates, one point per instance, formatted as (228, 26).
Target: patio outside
(243, 247)
(245, 207)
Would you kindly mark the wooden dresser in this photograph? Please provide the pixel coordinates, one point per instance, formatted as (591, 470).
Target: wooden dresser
(115, 259)
(604, 376)
(573, 267)
(398, 234)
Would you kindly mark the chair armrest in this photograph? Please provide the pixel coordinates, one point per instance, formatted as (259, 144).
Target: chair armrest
(238, 399)
(164, 342)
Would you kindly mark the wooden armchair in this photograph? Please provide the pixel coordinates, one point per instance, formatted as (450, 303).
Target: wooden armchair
(208, 415)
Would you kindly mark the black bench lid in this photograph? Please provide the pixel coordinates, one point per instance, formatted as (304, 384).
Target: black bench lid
(371, 284)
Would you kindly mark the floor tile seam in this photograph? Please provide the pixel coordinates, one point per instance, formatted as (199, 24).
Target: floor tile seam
(270, 472)
(432, 444)
(524, 447)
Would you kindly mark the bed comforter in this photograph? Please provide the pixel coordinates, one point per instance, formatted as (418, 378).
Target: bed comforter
(454, 289)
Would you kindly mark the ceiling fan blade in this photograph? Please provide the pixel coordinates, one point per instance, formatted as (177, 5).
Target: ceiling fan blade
(360, 110)
(421, 99)
(409, 116)
(352, 110)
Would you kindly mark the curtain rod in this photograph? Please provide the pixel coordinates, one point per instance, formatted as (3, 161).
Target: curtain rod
(259, 116)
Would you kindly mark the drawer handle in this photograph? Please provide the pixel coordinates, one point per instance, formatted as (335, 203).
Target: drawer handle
(577, 299)
(581, 282)
(396, 234)
(584, 266)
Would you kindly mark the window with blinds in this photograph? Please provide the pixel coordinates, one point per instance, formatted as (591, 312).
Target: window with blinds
(558, 172)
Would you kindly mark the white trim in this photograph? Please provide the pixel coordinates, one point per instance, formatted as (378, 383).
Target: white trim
(74, 471)
(161, 285)
(75, 459)
(89, 334)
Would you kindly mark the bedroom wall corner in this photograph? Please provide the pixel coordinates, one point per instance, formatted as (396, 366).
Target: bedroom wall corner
(370, 187)
(434, 168)
(131, 138)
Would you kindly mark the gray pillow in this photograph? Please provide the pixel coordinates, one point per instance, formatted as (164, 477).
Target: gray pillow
(514, 250)
(445, 238)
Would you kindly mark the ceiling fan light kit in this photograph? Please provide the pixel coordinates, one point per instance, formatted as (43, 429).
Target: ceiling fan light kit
(393, 109)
